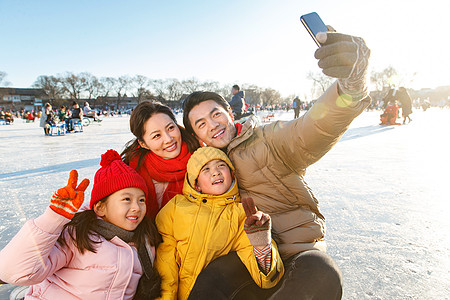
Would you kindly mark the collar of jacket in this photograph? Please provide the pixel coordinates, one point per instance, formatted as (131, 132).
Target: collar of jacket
(247, 131)
(232, 195)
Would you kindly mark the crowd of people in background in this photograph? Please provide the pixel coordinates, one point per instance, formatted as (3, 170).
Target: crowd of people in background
(395, 101)
(9, 115)
(63, 115)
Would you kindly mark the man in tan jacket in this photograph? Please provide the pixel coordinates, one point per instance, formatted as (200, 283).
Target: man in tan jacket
(270, 163)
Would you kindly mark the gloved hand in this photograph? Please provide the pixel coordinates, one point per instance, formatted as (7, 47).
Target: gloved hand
(257, 226)
(67, 200)
(345, 57)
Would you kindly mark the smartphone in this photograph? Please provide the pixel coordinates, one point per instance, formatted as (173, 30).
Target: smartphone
(313, 24)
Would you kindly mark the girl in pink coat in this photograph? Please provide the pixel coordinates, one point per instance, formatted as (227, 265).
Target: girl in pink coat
(104, 252)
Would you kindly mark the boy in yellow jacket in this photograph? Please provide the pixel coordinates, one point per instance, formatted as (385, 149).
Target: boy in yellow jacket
(208, 221)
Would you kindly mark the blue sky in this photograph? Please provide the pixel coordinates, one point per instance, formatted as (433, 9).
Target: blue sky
(260, 42)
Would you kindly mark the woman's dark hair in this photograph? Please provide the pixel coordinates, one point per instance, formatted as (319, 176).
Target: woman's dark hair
(195, 99)
(141, 113)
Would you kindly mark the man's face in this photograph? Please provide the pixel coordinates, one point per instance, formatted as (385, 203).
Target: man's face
(234, 91)
(212, 124)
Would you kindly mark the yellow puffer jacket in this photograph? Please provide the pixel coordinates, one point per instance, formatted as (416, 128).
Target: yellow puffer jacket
(271, 161)
(198, 228)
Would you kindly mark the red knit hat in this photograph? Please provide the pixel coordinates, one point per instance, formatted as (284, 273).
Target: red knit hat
(113, 176)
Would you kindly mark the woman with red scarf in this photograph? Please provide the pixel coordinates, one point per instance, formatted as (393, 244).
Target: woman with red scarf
(159, 152)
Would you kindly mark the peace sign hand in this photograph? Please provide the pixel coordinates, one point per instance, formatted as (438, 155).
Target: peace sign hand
(257, 225)
(67, 200)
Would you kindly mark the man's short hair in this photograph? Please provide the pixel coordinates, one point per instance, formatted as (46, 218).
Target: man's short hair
(195, 99)
(236, 87)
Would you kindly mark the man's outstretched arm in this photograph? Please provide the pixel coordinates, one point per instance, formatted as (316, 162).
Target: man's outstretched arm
(301, 142)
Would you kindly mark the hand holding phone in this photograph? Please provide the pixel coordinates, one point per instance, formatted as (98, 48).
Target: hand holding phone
(341, 56)
(313, 24)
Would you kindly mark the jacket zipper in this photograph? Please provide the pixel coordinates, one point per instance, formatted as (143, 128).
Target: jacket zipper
(190, 241)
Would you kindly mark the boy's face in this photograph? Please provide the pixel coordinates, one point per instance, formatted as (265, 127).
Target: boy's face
(214, 178)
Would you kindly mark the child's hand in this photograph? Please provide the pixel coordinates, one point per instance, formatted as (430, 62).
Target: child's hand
(257, 226)
(67, 200)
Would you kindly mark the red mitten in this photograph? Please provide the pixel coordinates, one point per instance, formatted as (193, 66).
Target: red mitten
(67, 200)
(257, 226)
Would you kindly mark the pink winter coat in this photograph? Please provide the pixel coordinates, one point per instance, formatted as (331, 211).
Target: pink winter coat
(34, 258)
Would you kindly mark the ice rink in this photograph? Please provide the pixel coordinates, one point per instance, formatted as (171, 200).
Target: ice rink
(384, 190)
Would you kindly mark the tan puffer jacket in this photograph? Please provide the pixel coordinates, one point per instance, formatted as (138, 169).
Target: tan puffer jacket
(271, 161)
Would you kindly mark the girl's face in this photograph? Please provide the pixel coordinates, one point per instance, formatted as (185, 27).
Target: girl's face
(125, 208)
(214, 178)
(162, 136)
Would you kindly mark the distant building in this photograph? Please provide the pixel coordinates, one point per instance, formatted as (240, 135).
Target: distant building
(22, 98)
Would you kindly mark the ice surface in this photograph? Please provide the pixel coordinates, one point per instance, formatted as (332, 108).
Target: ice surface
(384, 191)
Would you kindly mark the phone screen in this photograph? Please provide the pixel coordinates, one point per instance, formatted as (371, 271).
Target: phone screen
(314, 24)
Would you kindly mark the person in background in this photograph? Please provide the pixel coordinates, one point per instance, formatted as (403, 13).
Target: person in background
(89, 112)
(237, 102)
(48, 118)
(296, 104)
(9, 117)
(62, 113)
(76, 115)
(405, 100)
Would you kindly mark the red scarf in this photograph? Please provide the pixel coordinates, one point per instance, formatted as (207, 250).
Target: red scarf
(162, 170)
(238, 127)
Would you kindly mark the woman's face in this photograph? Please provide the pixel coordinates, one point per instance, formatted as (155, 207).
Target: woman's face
(162, 136)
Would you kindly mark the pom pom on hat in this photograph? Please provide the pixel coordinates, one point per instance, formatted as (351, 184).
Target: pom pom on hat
(114, 175)
(108, 157)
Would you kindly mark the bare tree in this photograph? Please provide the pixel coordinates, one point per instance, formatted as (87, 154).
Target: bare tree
(140, 84)
(321, 82)
(191, 85)
(51, 85)
(93, 85)
(211, 86)
(3, 81)
(384, 79)
(270, 96)
(73, 85)
(106, 85)
(121, 86)
(174, 89)
(159, 88)
(253, 94)
(225, 91)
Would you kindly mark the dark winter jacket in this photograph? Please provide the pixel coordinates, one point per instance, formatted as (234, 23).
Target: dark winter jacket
(237, 103)
(77, 113)
(271, 162)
